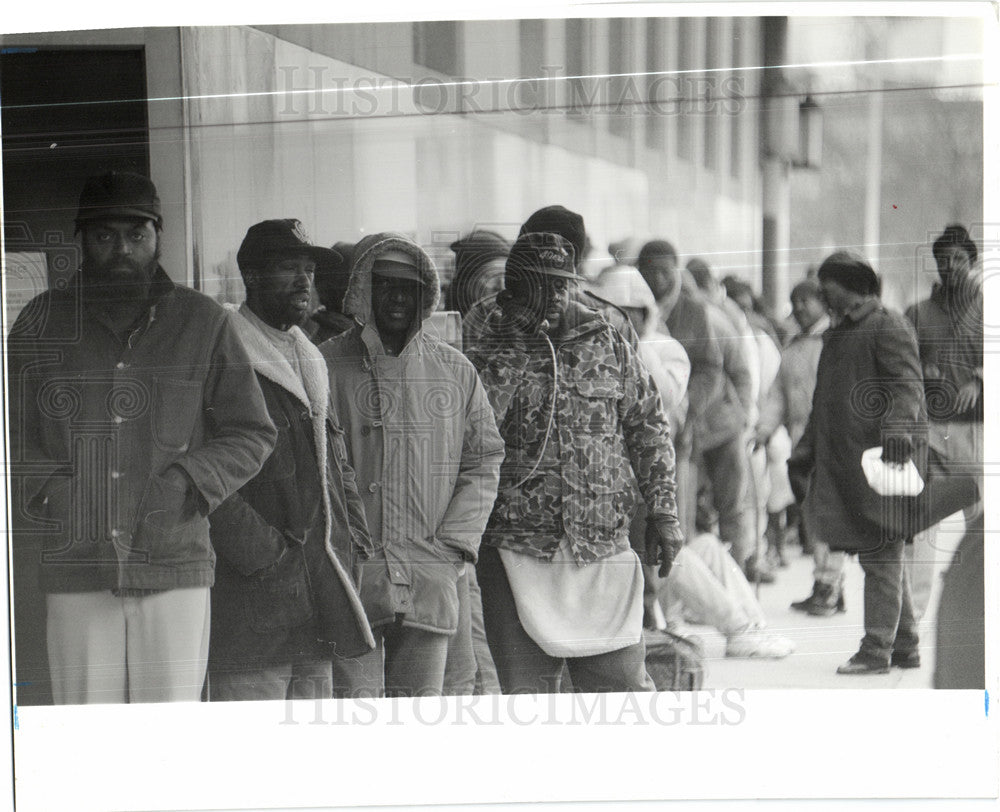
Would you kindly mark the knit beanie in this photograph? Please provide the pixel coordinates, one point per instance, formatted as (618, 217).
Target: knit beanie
(559, 220)
(472, 252)
(851, 271)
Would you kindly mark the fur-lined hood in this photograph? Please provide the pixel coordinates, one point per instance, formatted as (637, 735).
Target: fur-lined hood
(358, 299)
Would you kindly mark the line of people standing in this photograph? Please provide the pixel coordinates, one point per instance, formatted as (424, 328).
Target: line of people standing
(384, 515)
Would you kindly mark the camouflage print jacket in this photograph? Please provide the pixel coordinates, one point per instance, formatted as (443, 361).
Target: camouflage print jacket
(610, 439)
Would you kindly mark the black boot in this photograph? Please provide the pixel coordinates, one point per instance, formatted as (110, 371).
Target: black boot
(803, 605)
(827, 601)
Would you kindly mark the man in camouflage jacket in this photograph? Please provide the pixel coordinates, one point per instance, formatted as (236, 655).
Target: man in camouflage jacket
(571, 484)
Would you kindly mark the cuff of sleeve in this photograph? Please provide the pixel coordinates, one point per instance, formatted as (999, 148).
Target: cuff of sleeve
(206, 503)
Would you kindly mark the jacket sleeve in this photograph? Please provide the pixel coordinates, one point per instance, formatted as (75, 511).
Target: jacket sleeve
(240, 434)
(646, 430)
(242, 537)
(34, 466)
(703, 349)
(737, 368)
(356, 519)
(475, 490)
(775, 408)
(899, 368)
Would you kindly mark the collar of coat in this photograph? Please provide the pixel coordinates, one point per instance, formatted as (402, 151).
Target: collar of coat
(863, 308)
(821, 325)
(312, 389)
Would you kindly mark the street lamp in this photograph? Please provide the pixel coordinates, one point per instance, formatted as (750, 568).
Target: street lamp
(810, 135)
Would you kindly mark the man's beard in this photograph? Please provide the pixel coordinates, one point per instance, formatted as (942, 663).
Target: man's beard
(120, 279)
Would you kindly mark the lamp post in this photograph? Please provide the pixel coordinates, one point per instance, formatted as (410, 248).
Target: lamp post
(810, 135)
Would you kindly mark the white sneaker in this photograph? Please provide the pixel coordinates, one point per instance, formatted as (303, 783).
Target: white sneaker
(754, 642)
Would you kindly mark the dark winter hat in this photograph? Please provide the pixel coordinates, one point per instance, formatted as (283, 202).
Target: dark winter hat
(656, 248)
(346, 251)
(395, 264)
(476, 249)
(543, 253)
(275, 238)
(851, 271)
(559, 220)
(118, 194)
(333, 273)
(956, 235)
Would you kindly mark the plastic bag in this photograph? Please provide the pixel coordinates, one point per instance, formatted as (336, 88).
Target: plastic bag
(888, 479)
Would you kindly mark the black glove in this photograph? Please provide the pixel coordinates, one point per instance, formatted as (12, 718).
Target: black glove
(664, 539)
(897, 449)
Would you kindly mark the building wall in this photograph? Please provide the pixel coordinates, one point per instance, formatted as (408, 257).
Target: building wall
(280, 126)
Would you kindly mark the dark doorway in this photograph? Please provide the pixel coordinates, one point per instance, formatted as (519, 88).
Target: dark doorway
(66, 114)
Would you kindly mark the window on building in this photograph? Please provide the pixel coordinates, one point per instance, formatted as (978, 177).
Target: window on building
(736, 118)
(580, 91)
(621, 83)
(435, 46)
(532, 40)
(657, 86)
(709, 93)
(687, 84)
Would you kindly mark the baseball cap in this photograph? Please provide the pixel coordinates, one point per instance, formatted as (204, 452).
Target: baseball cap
(541, 253)
(118, 194)
(396, 264)
(272, 238)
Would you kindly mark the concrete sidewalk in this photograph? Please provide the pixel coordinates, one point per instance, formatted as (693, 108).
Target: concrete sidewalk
(822, 644)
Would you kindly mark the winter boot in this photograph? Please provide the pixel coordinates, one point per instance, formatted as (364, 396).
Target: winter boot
(827, 601)
(804, 604)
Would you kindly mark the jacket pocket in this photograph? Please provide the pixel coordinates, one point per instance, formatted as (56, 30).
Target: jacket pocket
(434, 572)
(176, 410)
(279, 598)
(281, 462)
(594, 407)
(166, 527)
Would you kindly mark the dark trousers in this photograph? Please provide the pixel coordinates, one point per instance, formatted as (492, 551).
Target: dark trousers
(889, 623)
(404, 662)
(522, 665)
(726, 467)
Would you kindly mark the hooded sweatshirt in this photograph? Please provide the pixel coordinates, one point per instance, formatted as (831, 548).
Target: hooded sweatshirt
(424, 445)
(623, 285)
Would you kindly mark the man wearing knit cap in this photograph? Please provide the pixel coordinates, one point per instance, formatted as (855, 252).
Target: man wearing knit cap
(568, 225)
(134, 414)
(332, 273)
(284, 598)
(479, 263)
(585, 434)
(869, 392)
(422, 439)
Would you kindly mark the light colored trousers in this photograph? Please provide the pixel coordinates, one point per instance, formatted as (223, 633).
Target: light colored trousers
(108, 649)
(708, 586)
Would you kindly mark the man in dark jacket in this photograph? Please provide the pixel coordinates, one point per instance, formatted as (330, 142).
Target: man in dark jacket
(283, 597)
(134, 414)
(869, 392)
